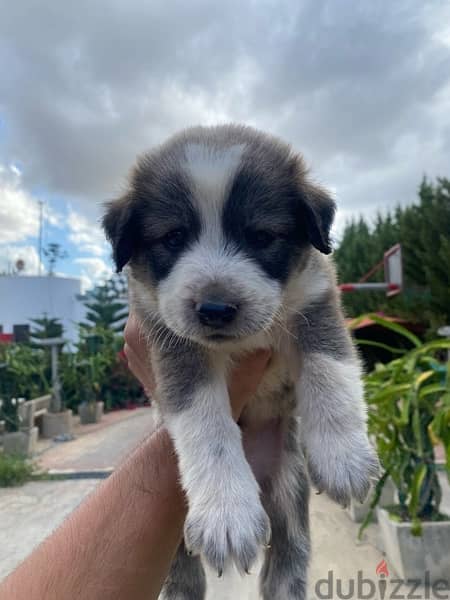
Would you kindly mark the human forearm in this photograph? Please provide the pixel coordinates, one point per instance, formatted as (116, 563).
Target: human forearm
(119, 543)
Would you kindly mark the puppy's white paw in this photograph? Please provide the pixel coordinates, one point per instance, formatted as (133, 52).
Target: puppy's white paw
(343, 466)
(228, 527)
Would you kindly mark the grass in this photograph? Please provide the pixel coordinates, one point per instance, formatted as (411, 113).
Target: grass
(14, 470)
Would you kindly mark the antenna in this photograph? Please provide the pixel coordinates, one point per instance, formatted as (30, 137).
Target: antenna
(41, 222)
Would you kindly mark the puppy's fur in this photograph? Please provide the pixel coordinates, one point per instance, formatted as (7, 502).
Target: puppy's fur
(226, 217)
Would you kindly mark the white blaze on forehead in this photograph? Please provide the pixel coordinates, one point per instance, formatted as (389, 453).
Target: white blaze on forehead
(211, 170)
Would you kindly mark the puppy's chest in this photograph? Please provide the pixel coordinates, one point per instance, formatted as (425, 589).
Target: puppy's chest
(276, 394)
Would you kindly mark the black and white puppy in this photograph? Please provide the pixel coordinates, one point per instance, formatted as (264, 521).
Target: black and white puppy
(225, 238)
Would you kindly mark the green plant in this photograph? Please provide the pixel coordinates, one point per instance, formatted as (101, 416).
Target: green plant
(14, 470)
(96, 372)
(409, 410)
(24, 373)
(46, 327)
(9, 413)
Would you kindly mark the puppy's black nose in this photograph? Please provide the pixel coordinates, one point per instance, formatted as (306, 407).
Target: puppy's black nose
(215, 314)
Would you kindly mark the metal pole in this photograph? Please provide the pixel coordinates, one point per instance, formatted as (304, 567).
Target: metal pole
(56, 385)
(381, 287)
(41, 221)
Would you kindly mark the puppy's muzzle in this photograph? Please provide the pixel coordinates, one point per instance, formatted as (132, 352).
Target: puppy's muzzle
(216, 314)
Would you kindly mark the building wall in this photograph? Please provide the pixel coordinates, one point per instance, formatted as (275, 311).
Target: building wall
(27, 297)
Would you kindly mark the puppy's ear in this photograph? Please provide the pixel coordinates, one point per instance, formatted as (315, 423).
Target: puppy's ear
(319, 210)
(119, 223)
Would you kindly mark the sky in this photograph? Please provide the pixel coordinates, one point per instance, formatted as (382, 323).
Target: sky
(361, 89)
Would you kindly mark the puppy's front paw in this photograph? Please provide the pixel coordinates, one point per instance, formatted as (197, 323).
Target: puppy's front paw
(344, 466)
(231, 527)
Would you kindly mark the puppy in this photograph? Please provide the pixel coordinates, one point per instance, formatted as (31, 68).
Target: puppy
(226, 239)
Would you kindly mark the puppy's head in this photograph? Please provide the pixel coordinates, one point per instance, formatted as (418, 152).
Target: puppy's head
(212, 226)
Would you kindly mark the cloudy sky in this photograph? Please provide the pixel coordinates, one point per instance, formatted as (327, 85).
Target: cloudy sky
(362, 89)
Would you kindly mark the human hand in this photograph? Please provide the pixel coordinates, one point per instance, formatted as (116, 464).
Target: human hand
(245, 376)
(261, 443)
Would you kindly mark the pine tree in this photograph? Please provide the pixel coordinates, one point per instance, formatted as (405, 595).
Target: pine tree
(46, 327)
(106, 305)
(432, 246)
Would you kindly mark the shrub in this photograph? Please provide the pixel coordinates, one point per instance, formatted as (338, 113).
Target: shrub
(14, 470)
(24, 371)
(409, 411)
(9, 413)
(96, 372)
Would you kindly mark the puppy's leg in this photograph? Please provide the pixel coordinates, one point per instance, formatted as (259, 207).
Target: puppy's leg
(226, 520)
(331, 404)
(186, 580)
(284, 574)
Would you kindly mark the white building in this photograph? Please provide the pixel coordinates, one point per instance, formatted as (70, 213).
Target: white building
(24, 297)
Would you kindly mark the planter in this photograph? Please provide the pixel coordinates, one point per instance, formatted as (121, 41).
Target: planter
(90, 412)
(54, 424)
(413, 557)
(22, 443)
(358, 511)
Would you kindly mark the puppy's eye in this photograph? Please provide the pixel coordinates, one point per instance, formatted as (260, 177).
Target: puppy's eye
(175, 239)
(259, 239)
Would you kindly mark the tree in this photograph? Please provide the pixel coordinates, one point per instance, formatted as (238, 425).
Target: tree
(46, 327)
(425, 235)
(54, 253)
(423, 229)
(106, 305)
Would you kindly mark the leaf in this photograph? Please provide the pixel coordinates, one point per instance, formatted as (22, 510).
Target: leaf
(415, 490)
(381, 345)
(421, 378)
(397, 328)
(391, 391)
(435, 388)
(405, 408)
(375, 499)
(416, 527)
(417, 431)
(431, 347)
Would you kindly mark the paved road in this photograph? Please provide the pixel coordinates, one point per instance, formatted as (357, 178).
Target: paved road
(100, 446)
(28, 514)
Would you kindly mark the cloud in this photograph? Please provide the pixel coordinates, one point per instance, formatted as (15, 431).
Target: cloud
(19, 210)
(87, 236)
(10, 254)
(93, 270)
(362, 89)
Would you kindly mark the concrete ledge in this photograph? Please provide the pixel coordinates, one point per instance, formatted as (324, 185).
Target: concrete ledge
(64, 474)
(22, 443)
(54, 424)
(358, 511)
(412, 556)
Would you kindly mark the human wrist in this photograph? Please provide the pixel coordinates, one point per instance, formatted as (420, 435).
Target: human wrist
(153, 470)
